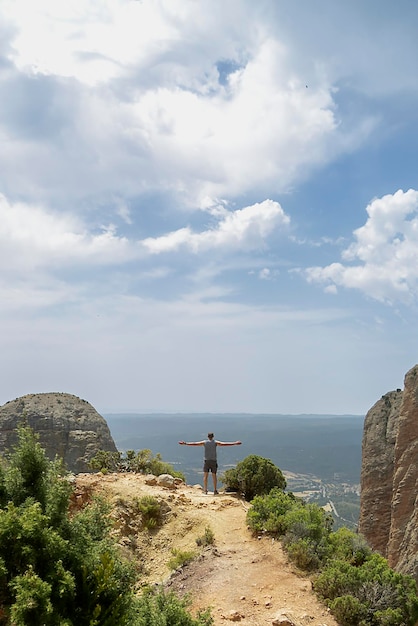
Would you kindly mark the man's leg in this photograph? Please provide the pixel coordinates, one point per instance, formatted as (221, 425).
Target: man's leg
(215, 482)
(205, 481)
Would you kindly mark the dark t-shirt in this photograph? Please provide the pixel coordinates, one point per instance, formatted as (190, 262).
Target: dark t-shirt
(210, 450)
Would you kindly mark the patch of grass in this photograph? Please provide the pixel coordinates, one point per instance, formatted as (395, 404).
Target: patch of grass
(180, 558)
(150, 510)
(207, 539)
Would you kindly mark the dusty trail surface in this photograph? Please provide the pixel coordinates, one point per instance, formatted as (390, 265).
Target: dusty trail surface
(242, 578)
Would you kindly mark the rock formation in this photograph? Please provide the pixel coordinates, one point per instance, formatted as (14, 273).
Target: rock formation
(67, 426)
(403, 539)
(389, 477)
(379, 436)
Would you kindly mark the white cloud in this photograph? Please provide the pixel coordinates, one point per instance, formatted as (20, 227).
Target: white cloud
(32, 237)
(264, 274)
(97, 41)
(260, 130)
(36, 244)
(243, 229)
(78, 39)
(124, 211)
(383, 260)
(135, 98)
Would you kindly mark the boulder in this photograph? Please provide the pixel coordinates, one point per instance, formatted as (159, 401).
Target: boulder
(68, 427)
(283, 619)
(167, 480)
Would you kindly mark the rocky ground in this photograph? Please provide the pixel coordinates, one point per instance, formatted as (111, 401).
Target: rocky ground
(242, 577)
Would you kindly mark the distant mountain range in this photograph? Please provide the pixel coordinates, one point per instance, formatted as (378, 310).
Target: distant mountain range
(327, 446)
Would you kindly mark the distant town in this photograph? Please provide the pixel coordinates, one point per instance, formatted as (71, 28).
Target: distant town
(339, 498)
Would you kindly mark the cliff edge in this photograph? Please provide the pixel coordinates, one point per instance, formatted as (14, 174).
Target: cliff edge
(389, 477)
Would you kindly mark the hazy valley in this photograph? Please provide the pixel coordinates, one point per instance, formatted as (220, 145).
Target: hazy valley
(320, 455)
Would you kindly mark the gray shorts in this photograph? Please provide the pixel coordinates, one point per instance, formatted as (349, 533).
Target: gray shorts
(210, 466)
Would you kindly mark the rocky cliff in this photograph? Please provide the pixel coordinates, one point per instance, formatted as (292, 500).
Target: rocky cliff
(67, 426)
(389, 477)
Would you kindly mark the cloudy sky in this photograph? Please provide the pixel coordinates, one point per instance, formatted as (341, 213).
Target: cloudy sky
(209, 205)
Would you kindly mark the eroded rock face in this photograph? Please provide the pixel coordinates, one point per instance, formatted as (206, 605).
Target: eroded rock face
(389, 477)
(378, 450)
(403, 539)
(67, 426)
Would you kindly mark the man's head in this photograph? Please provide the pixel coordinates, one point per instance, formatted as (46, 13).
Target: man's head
(210, 435)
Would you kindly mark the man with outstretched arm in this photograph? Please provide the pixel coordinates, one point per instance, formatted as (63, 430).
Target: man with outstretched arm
(210, 457)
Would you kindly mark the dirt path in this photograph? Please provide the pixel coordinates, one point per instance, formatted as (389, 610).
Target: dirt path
(241, 577)
(245, 578)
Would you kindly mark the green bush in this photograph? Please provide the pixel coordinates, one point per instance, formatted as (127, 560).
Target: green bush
(157, 467)
(267, 512)
(180, 558)
(150, 510)
(304, 554)
(33, 604)
(349, 611)
(56, 569)
(380, 596)
(358, 585)
(207, 539)
(62, 570)
(159, 608)
(105, 461)
(307, 521)
(307, 529)
(32, 555)
(346, 545)
(254, 476)
(142, 462)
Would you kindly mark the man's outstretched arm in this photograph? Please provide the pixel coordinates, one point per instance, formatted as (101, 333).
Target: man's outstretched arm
(192, 443)
(228, 443)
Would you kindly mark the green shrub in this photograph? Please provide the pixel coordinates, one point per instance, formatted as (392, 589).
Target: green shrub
(346, 545)
(180, 558)
(93, 522)
(159, 608)
(307, 521)
(304, 554)
(339, 578)
(142, 462)
(56, 569)
(33, 604)
(150, 510)
(382, 595)
(157, 467)
(207, 539)
(30, 474)
(145, 462)
(307, 529)
(389, 617)
(254, 476)
(358, 585)
(267, 512)
(349, 611)
(32, 555)
(304, 528)
(105, 461)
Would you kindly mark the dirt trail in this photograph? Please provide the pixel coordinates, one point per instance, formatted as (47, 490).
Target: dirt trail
(241, 577)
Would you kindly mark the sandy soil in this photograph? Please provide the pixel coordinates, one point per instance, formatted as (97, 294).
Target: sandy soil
(242, 577)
